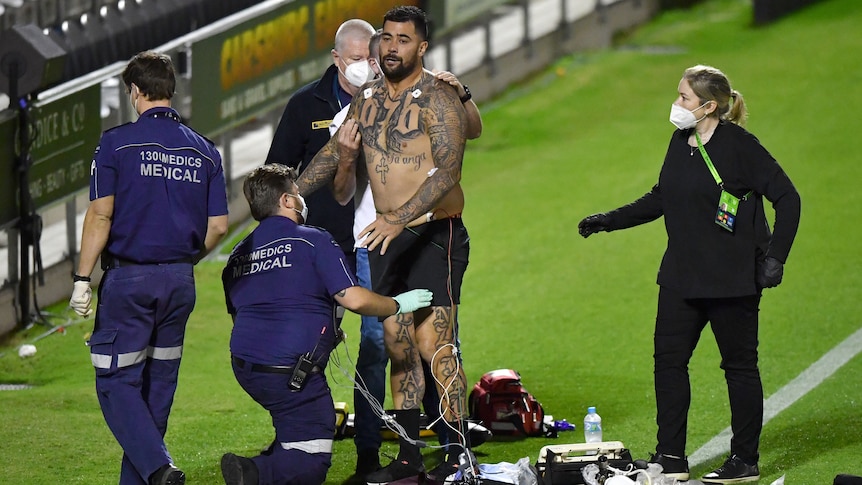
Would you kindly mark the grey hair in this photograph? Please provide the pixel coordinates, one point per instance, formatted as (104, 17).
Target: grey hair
(352, 29)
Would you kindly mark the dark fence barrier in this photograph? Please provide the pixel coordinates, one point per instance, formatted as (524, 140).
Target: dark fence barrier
(766, 11)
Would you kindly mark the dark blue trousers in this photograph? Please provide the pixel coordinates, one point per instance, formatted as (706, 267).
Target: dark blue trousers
(304, 423)
(136, 348)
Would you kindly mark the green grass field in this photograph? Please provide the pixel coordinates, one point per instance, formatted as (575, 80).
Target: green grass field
(573, 316)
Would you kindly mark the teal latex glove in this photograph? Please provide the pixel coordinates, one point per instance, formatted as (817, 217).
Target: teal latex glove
(412, 300)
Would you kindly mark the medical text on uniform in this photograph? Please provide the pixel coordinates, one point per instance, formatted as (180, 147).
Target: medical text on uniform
(262, 259)
(171, 166)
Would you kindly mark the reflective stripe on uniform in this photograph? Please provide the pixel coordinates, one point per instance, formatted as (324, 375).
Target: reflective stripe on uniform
(165, 353)
(310, 446)
(131, 358)
(102, 361)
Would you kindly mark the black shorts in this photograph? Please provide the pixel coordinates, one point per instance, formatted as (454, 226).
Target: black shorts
(433, 256)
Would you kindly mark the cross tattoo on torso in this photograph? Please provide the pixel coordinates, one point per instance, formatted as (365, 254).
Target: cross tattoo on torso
(382, 168)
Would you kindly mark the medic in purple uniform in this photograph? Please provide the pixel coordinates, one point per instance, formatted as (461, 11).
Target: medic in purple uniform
(281, 284)
(158, 204)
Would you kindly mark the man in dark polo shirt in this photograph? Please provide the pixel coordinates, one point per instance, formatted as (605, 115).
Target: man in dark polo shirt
(304, 126)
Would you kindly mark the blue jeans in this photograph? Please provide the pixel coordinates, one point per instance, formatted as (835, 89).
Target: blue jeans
(370, 368)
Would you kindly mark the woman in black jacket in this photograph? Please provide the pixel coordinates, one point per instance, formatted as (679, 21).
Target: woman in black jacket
(720, 255)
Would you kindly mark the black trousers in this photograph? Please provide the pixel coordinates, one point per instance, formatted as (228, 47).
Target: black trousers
(734, 324)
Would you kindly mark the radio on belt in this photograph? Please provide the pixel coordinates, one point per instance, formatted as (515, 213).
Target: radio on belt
(300, 372)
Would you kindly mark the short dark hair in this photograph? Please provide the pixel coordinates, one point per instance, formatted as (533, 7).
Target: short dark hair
(153, 74)
(409, 13)
(264, 185)
(374, 44)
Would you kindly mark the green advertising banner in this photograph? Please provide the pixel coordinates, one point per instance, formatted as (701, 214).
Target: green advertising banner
(451, 14)
(253, 67)
(9, 180)
(67, 131)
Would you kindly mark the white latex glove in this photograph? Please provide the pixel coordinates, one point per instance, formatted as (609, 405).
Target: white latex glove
(82, 296)
(413, 300)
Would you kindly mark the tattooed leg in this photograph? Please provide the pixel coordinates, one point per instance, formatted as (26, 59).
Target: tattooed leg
(406, 379)
(435, 333)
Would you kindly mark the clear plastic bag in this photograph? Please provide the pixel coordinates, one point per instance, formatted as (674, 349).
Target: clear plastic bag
(520, 473)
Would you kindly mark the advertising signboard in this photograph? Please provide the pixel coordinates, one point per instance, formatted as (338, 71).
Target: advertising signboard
(9, 180)
(253, 67)
(451, 14)
(65, 132)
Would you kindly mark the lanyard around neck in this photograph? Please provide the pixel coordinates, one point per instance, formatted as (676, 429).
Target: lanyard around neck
(711, 167)
(706, 159)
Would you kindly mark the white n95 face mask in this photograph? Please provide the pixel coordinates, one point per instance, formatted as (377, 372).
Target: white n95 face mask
(683, 118)
(359, 73)
(304, 212)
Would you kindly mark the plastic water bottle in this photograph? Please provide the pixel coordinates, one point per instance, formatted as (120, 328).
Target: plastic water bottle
(592, 426)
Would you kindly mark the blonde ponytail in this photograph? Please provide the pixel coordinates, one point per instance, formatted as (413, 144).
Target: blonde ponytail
(738, 113)
(710, 84)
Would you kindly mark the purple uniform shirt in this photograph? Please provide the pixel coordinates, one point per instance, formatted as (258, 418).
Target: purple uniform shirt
(166, 180)
(279, 284)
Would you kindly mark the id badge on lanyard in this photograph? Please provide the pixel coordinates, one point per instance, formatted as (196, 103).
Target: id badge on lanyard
(728, 203)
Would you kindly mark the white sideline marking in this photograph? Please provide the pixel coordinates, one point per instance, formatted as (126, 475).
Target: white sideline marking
(787, 395)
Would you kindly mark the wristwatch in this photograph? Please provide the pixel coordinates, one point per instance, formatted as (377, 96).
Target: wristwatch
(76, 278)
(467, 95)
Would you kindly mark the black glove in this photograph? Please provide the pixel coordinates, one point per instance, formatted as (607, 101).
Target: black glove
(769, 272)
(593, 224)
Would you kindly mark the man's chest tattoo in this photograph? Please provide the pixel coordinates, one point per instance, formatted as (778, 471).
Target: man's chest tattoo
(388, 129)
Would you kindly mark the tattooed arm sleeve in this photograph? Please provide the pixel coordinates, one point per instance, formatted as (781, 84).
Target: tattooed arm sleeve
(321, 169)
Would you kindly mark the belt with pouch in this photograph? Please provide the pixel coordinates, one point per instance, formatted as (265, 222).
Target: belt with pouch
(270, 369)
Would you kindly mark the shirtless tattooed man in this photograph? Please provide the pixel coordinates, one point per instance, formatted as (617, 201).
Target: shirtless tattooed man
(409, 130)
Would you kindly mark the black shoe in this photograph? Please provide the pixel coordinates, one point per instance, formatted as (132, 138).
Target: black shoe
(238, 470)
(354, 480)
(734, 470)
(478, 434)
(367, 461)
(441, 472)
(672, 466)
(397, 470)
(168, 475)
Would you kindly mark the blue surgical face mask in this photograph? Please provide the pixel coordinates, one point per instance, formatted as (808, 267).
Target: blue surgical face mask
(304, 212)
